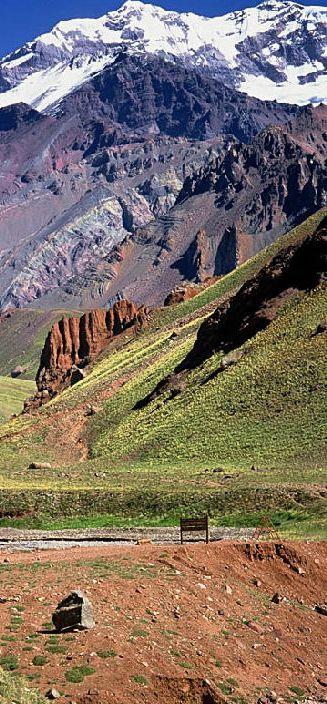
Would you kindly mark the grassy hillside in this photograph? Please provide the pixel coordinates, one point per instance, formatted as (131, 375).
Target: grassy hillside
(261, 422)
(14, 689)
(13, 393)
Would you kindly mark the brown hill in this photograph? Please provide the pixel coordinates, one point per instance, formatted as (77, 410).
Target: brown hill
(197, 624)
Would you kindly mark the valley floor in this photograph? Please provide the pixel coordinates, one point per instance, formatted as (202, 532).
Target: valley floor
(188, 623)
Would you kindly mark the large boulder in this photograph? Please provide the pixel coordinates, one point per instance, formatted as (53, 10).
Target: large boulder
(17, 371)
(75, 611)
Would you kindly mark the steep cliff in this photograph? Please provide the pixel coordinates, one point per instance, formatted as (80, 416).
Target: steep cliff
(300, 267)
(73, 343)
(297, 268)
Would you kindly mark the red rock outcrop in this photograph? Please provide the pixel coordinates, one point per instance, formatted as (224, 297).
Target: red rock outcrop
(73, 343)
(185, 293)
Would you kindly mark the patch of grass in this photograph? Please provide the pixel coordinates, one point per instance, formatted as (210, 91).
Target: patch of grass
(139, 679)
(47, 626)
(139, 633)
(76, 674)
(298, 691)
(55, 648)
(232, 681)
(15, 689)
(9, 662)
(13, 393)
(226, 687)
(39, 660)
(105, 654)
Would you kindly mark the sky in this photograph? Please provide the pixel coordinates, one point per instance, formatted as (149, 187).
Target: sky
(23, 20)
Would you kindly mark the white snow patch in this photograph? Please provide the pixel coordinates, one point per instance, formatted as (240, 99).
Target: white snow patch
(21, 60)
(287, 92)
(47, 87)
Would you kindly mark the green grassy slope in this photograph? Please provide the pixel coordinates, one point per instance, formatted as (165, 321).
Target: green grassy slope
(150, 465)
(14, 689)
(13, 393)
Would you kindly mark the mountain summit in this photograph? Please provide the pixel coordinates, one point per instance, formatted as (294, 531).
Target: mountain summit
(276, 50)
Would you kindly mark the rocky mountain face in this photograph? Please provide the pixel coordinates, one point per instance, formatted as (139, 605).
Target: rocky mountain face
(86, 224)
(300, 267)
(73, 343)
(151, 168)
(230, 209)
(74, 186)
(273, 51)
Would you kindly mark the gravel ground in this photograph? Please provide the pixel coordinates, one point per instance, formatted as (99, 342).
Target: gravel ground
(16, 539)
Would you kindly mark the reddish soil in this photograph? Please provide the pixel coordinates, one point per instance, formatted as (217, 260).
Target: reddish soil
(192, 624)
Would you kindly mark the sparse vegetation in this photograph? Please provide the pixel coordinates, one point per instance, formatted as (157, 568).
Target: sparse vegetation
(77, 674)
(105, 654)
(39, 660)
(140, 679)
(14, 689)
(9, 662)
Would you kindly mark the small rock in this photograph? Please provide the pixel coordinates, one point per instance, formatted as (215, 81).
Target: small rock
(17, 371)
(39, 465)
(321, 609)
(277, 598)
(256, 627)
(177, 612)
(77, 375)
(228, 589)
(52, 694)
(322, 681)
(75, 611)
(298, 569)
(272, 696)
(3, 600)
(256, 582)
(91, 410)
(6, 559)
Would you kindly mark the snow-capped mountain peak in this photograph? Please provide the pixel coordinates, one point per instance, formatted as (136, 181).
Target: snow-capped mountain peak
(277, 50)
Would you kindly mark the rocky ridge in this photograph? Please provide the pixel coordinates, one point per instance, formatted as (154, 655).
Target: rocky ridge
(73, 343)
(298, 268)
(87, 183)
(272, 51)
(235, 205)
(117, 194)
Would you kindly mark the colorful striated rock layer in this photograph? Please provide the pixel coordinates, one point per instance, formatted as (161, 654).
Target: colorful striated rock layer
(73, 343)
